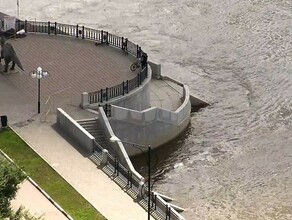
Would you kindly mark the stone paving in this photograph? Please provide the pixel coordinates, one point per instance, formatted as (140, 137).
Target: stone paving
(41, 205)
(75, 66)
(70, 161)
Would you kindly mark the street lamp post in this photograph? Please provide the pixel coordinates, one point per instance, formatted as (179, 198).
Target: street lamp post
(39, 74)
(116, 139)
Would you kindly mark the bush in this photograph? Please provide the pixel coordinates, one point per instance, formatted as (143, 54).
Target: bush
(10, 177)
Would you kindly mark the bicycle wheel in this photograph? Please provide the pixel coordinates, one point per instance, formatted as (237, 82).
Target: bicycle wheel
(133, 67)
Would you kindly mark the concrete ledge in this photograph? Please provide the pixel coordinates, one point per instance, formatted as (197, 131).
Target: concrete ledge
(195, 101)
(156, 70)
(117, 147)
(76, 131)
(198, 103)
(153, 126)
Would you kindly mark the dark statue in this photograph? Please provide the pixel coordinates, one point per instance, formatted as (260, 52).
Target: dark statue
(9, 55)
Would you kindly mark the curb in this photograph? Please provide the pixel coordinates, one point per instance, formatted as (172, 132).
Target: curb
(55, 170)
(39, 188)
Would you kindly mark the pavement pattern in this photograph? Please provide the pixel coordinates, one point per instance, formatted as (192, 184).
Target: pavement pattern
(40, 206)
(71, 162)
(75, 66)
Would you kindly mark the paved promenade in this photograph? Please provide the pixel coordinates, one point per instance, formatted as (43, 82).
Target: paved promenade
(67, 158)
(40, 206)
(75, 66)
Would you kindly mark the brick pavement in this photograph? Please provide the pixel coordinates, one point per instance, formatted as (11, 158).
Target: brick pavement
(75, 66)
(99, 67)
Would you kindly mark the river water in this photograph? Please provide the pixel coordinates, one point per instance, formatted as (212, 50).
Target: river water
(235, 159)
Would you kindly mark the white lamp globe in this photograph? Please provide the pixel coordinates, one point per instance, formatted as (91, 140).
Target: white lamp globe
(39, 69)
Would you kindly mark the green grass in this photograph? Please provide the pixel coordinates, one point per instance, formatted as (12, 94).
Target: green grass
(49, 180)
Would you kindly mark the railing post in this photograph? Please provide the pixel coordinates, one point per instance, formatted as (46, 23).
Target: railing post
(49, 27)
(140, 52)
(116, 166)
(166, 212)
(127, 86)
(82, 32)
(138, 76)
(123, 48)
(104, 157)
(85, 100)
(155, 200)
(77, 31)
(105, 38)
(152, 198)
(141, 190)
(129, 182)
(25, 26)
(126, 44)
(123, 85)
(102, 36)
(141, 77)
(101, 95)
(137, 51)
(105, 109)
(106, 91)
(55, 28)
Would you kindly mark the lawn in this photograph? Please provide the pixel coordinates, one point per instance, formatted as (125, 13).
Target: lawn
(49, 180)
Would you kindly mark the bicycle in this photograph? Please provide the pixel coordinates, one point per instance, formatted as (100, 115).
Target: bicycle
(135, 65)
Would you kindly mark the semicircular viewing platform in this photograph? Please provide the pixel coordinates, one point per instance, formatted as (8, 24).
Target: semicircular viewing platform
(74, 63)
(75, 66)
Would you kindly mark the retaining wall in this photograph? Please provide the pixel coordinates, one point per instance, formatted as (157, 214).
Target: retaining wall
(138, 99)
(153, 126)
(117, 147)
(76, 131)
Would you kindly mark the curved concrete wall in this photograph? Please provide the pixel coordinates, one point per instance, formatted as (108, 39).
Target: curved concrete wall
(153, 126)
(138, 99)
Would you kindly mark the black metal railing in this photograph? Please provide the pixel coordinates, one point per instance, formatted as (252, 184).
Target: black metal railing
(125, 87)
(127, 179)
(54, 28)
(107, 110)
(101, 36)
(79, 31)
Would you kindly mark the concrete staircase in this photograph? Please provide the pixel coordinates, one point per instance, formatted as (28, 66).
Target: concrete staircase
(93, 127)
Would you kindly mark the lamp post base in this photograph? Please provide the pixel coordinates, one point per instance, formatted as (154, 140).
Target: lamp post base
(39, 107)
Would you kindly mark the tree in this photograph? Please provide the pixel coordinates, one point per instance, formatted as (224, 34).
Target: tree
(24, 214)
(10, 177)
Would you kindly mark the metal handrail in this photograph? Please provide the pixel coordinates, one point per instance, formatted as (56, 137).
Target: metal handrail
(95, 35)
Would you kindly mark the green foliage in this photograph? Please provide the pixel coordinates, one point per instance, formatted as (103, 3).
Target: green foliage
(10, 177)
(23, 214)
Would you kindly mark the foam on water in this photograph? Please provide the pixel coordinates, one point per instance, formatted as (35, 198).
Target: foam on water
(237, 55)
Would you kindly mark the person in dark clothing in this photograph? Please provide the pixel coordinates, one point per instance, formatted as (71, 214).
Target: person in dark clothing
(144, 58)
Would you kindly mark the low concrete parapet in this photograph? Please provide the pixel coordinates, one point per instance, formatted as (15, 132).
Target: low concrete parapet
(153, 126)
(156, 70)
(76, 131)
(137, 99)
(116, 147)
(195, 101)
